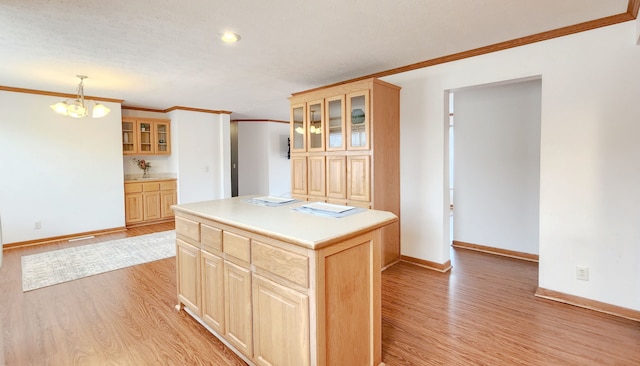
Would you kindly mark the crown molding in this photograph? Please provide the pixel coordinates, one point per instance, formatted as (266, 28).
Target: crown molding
(174, 108)
(54, 94)
(260, 120)
(101, 99)
(132, 108)
(182, 108)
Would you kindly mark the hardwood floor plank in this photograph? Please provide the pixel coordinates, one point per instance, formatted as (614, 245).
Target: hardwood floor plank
(482, 312)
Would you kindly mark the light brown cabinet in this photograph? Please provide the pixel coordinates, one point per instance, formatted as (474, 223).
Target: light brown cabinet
(146, 136)
(151, 204)
(129, 136)
(336, 178)
(223, 279)
(149, 201)
(358, 161)
(317, 180)
(334, 112)
(274, 301)
(213, 291)
(188, 276)
(237, 307)
(299, 175)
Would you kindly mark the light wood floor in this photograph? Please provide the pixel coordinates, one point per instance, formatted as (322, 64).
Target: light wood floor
(482, 313)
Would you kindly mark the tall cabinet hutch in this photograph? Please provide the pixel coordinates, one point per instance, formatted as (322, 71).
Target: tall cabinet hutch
(345, 149)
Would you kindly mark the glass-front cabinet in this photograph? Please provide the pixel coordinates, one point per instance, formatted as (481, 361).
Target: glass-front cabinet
(298, 128)
(129, 137)
(337, 140)
(146, 136)
(335, 123)
(162, 138)
(315, 135)
(358, 120)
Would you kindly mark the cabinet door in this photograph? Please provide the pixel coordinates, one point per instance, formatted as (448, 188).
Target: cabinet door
(129, 137)
(281, 324)
(334, 112)
(188, 275)
(145, 137)
(213, 291)
(237, 293)
(162, 138)
(151, 205)
(316, 176)
(358, 120)
(298, 128)
(133, 208)
(299, 175)
(315, 132)
(337, 176)
(358, 178)
(167, 198)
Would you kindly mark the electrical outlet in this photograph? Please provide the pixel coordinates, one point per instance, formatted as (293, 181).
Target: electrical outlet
(582, 273)
(37, 225)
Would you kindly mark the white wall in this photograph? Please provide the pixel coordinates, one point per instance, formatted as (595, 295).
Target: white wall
(638, 30)
(589, 176)
(497, 166)
(64, 172)
(263, 167)
(200, 155)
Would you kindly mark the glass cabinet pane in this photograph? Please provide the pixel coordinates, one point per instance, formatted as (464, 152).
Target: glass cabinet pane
(358, 120)
(145, 143)
(335, 120)
(162, 135)
(128, 137)
(298, 132)
(315, 136)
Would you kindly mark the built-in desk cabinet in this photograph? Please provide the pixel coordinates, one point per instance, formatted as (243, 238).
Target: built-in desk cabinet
(346, 150)
(149, 201)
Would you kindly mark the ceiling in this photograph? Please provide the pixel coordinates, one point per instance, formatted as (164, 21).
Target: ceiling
(158, 54)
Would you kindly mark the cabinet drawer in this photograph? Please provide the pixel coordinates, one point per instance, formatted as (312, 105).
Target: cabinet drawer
(291, 266)
(211, 238)
(236, 245)
(133, 188)
(168, 185)
(150, 187)
(188, 229)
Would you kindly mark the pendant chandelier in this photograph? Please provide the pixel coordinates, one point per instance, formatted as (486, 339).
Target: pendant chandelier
(80, 108)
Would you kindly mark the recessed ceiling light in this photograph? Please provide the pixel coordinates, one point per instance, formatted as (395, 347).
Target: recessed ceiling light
(229, 37)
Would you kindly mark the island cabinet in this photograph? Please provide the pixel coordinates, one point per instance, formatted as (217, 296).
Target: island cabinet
(346, 150)
(282, 287)
(149, 201)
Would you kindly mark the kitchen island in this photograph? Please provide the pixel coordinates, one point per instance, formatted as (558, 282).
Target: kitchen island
(280, 286)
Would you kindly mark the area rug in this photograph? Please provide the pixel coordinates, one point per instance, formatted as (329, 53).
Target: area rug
(58, 266)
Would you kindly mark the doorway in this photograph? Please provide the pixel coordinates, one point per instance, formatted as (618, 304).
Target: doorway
(494, 165)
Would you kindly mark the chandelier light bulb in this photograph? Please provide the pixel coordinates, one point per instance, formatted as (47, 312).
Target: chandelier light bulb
(78, 108)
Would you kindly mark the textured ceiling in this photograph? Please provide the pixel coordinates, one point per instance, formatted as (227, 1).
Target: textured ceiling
(163, 53)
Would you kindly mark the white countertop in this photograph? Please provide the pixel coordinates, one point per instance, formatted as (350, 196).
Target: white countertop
(284, 223)
(151, 177)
